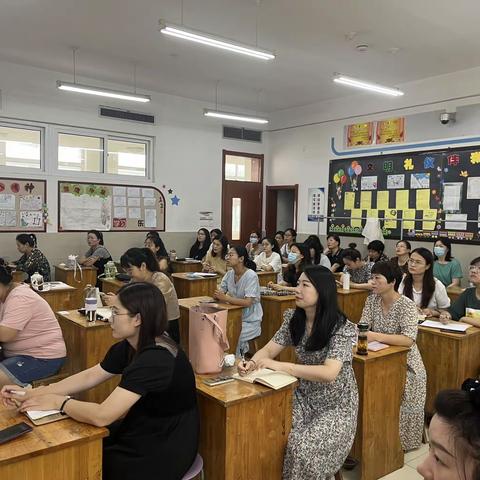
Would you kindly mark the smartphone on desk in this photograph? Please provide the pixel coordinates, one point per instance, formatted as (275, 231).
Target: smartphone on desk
(14, 431)
(212, 382)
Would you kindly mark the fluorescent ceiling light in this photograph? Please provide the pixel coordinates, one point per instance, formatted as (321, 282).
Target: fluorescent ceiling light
(214, 41)
(373, 87)
(102, 92)
(234, 116)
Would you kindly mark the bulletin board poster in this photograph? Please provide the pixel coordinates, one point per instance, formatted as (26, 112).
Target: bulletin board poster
(22, 205)
(416, 195)
(316, 204)
(359, 134)
(108, 207)
(390, 131)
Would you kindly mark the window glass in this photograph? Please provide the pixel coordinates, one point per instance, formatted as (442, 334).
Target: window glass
(19, 147)
(127, 158)
(242, 169)
(80, 153)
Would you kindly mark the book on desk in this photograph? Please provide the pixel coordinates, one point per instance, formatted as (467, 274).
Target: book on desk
(269, 378)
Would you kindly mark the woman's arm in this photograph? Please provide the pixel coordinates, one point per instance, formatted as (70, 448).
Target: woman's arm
(268, 352)
(88, 262)
(163, 265)
(241, 302)
(455, 282)
(326, 373)
(361, 286)
(7, 334)
(389, 339)
(470, 321)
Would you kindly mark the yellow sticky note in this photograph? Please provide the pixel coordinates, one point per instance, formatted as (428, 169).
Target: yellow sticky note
(383, 200)
(423, 199)
(356, 214)
(390, 219)
(366, 200)
(401, 199)
(349, 203)
(429, 214)
(372, 213)
(408, 216)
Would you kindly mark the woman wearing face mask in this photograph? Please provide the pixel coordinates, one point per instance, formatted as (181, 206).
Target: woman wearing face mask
(325, 402)
(32, 259)
(240, 286)
(454, 435)
(152, 415)
(254, 247)
(402, 254)
(289, 239)
(466, 307)
(97, 255)
(269, 260)
(375, 252)
(358, 269)
(419, 285)
(446, 268)
(215, 261)
(393, 319)
(334, 253)
(316, 251)
(154, 243)
(202, 244)
(298, 260)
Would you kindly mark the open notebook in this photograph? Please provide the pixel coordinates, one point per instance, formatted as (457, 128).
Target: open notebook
(41, 417)
(267, 377)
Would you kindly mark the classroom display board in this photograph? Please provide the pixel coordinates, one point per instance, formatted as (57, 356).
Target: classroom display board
(436, 194)
(107, 207)
(22, 205)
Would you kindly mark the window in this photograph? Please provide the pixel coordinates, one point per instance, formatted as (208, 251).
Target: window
(80, 153)
(20, 147)
(127, 158)
(242, 169)
(236, 216)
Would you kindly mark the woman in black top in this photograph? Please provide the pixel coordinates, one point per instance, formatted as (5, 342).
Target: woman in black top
(152, 414)
(334, 253)
(154, 243)
(32, 259)
(202, 244)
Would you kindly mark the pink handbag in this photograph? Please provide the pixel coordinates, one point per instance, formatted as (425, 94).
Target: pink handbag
(207, 338)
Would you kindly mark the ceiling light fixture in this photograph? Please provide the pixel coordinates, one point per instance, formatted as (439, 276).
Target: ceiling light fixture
(213, 41)
(373, 87)
(234, 116)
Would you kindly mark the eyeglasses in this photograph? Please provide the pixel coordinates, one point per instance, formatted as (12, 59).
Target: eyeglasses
(412, 261)
(116, 314)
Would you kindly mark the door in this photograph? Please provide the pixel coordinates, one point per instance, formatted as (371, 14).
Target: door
(241, 195)
(281, 208)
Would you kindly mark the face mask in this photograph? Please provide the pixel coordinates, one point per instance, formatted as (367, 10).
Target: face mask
(292, 257)
(254, 240)
(439, 251)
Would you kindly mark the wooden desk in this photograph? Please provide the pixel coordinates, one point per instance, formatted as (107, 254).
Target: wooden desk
(234, 321)
(243, 429)
(351, 302)
(265, 277)
(87, 343)
(87, 277)
(58, 451)
(448, 358)
(111, 285)
(194, 287)
(60, 298)
(381, 381)
(454, 292)
(273, 310)
(182, 266)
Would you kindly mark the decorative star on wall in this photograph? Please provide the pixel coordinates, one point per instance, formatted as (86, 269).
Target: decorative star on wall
(170, 191)
(175, 200)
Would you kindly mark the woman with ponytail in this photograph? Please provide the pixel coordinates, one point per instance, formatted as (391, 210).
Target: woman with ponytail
(32, 259)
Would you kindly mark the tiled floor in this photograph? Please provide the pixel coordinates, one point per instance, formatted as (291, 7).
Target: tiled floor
(408, 472)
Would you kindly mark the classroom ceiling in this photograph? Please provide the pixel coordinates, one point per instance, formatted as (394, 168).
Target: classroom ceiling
(408, 40)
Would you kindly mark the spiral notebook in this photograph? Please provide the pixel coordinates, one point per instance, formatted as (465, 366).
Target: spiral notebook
(41, 417)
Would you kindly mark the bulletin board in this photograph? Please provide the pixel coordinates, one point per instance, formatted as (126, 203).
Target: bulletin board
(435, 193)
(22, 205)
(107, 207)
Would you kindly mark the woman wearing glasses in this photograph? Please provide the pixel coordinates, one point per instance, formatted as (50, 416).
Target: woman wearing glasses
(467, 306)
(419, 284)
(152, 415)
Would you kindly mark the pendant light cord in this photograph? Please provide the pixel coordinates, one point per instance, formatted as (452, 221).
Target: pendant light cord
(74, 52)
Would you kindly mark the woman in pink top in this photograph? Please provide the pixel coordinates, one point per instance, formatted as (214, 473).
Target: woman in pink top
(31, 338)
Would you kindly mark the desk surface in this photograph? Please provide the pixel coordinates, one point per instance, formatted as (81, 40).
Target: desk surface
(63, 288)
(186, 262)
(374, 356)
(187, 276)
(470, 332)
(193, 301)
(113, 281)
(81, 320)
(64, 268)
(43, 438)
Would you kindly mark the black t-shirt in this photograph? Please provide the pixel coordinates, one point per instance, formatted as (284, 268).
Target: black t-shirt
(336, 257)
(198, 253)
(160, 431)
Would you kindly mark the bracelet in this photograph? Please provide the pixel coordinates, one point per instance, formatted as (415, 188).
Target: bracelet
(62, 408)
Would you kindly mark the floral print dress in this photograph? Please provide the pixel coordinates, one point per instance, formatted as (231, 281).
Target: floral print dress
(35, 262)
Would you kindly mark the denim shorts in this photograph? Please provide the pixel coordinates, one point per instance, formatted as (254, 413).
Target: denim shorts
(23, 369)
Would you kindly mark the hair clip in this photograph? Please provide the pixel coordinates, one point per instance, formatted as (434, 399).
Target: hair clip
(472, 387)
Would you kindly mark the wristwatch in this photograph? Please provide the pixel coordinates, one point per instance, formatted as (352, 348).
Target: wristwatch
(62, 408)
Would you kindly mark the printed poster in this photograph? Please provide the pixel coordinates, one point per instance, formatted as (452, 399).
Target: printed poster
(369, 183)
(395, 181)
(359, 134)
(391, 130)
(316, 204)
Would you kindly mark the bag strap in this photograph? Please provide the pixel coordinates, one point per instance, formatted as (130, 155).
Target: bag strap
(76, 264)
(222, 336)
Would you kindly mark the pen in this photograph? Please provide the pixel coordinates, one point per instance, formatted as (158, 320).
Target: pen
(17, 392)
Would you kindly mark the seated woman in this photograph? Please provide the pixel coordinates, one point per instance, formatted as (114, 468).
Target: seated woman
(393, 319)
(280, 238)
(375, 252)
(31, 337)
(402, 254)
(154, 243)
(454, 435)
(269, 260)
(446, 268)
(32, 259)
(316, 251)
(215, 261)
(214, 233)
(334, 253)
(200, 248)
(142, 266)
(97, 255)
(254, 247)
(290, 237)
(325, 403)
(466, 308)
(298, 260)
(358, 269)
(240, 286)
(419, 284)
(152, 415)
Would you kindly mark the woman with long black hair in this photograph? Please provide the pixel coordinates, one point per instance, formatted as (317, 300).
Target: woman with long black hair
(201, 246)
(326, 401)
(32, 259)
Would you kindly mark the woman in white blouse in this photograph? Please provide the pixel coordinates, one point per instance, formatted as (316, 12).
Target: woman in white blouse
(419, 284)
(269, 260)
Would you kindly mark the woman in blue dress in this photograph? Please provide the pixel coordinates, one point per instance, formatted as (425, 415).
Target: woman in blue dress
(240, 286)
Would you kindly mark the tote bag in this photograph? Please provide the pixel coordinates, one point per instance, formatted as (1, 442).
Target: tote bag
(207, 338)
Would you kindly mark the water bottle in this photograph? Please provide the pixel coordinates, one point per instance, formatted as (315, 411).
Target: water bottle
(362, 342)
(173, 255)
(346, 281)
(37, 281)
(90, 303)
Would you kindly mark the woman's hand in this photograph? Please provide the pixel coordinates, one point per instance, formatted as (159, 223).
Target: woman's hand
(10, 399)
(220, 295)
(49, 401)
(267, 267)
(247, 367)
(372, 336)
(429, 312)
(109, 299)
(274, 286)
(445, 317)
(269, 363)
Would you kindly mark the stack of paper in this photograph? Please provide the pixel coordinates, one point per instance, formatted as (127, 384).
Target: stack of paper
(454, 327)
